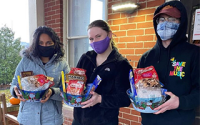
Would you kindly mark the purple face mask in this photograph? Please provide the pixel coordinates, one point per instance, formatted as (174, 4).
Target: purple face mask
(100, 46)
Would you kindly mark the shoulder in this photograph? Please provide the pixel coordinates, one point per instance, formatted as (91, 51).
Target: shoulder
(122, 62)
(26, 60)
(190, 49)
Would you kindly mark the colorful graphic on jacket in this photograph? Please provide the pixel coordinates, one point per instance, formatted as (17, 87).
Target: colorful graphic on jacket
(178, 68)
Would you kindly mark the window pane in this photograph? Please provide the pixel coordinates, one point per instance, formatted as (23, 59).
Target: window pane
(82, 12)
(76, 49)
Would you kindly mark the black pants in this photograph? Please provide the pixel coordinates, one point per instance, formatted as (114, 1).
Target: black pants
(77, 123)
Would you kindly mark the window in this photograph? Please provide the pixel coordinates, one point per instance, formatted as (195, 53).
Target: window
(80, 13)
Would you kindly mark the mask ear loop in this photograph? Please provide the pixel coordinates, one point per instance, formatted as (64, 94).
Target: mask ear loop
(114, 34)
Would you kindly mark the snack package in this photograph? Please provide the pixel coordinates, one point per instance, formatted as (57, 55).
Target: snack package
(36, 82)
(147, 92)
(78, 71)
(26, 73)
(75, 81)
(92, 86)
(76, 77)
(75, 87)
(132, 82)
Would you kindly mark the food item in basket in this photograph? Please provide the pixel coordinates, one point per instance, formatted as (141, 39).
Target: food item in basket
(149, 82)
(148, 88)
(75, 77)
(78, 71)
(147, 93)
(36, 82)
(26, 73)
(92, 86)
(75, 87)
(146, 83)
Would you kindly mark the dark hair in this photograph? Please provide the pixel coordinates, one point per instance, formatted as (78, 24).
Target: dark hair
(104, 26)
(33, 48)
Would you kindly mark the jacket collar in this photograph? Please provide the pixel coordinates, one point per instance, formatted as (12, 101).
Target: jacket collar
(113, 56)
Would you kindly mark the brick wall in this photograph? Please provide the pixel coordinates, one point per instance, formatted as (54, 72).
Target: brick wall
(134, 36)
(53, 11)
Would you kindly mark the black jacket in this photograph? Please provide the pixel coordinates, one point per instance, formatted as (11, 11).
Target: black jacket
(115, 81)
(178, 68)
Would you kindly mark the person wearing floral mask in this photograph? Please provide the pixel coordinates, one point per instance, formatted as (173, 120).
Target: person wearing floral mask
(177, 64)
(43, 56)
(104, 60)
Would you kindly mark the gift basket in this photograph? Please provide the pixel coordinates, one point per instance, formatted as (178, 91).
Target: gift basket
(74, 90)
(146, 91)
(33, 88)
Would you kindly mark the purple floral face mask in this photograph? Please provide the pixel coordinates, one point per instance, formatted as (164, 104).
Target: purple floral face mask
(100, 46)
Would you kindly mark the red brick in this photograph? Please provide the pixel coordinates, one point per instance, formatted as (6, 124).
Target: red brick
(59, 20)
(127, 26)
(143, 5)
(51, 13)
(119, 21)
(135, 123)
(131, 63)
(114, 16)
(140, 119)
(126, 39)
(47, 9)
(116, 39)
(109, 10)
(136, 19)
(120, 33)
(135, 32)
(149, 17)
(149, 31)
(125, 0)
(56, 16)
(52, 3)
(121, 45)
(155, 3)
(145, 25)
(59, 2)
(109, 22)
(114, 28)
(146, 11)
(126, 110)
(126, 51)
(130, 117)
(127, 15)
(140, 51)
(56, 25)
(120, 114)
(145, 38)
(149, 44)
(135, 64)
(57, 7)
(135, 45)
(134, 112)
(131, 106)
(133, 58)
(51, 21)
(142, 0)
(59, 12)
(125, 121)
